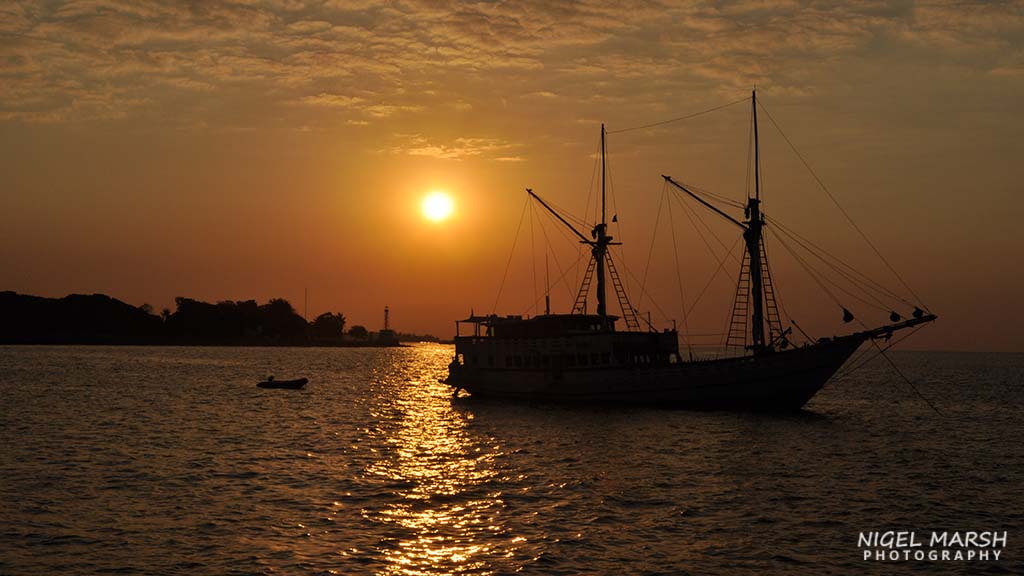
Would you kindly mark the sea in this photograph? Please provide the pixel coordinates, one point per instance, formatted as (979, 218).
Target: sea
(169, 460)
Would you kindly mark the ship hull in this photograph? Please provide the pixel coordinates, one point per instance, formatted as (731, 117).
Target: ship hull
(774, 381)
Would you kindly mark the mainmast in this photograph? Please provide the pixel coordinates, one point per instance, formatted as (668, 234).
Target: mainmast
(752, 236)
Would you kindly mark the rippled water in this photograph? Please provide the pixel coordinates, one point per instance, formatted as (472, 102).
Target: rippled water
(171, 461)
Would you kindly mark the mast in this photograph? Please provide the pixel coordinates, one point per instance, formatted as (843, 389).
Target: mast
(600, 248)
(599, 241)
(752, 236)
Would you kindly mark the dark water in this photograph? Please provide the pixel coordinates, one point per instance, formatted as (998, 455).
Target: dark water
(170, 461)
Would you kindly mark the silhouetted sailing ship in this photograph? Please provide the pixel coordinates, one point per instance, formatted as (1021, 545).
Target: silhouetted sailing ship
(582, 358)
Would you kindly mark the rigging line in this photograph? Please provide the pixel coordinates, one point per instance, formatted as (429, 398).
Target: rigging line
(599, 158)
(861, 356)
(759, 173)
(775, 290)
(572, 240)
(721, 263)
(586, 210)
(624, 292)
(563, 230)
(581, 254)
(705, 192)
(854, 360)
(622, 261)
(877, 305)
(750, 155)
(723, 344)
(558, 263)
(714, 275)
(679, 274)
(549, 249)
(690, 215)
(865, 280)
(864, 358)
(568, 214)
(807, 336)
(907, 380)
(511, 253)
(682, 200)
(608, 174)
(808, 269)
(536, 303)
(820, 277)
(810, 246)
(650, 252)
(615, 208)
(669, 121)
(788, 317)
(533, 249)
(843, 210)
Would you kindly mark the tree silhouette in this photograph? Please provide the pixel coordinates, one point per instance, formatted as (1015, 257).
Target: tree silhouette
(359, 332)
(328, 325)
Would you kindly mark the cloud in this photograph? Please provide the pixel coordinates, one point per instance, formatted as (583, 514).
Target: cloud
(460, 148)
(332, 100)
(385, 110)
(384, 59)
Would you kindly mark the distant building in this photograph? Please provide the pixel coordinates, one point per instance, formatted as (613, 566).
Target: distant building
(387, 336)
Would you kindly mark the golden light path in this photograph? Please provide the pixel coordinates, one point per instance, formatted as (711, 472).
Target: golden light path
(452, 522)
(438, 206)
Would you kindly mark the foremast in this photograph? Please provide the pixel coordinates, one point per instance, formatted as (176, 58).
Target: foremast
(599, 242)
(602, 239)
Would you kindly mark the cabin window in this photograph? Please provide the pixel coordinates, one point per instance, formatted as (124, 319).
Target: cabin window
(461, 359)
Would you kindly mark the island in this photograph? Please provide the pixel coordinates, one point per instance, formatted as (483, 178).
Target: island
(101, 319)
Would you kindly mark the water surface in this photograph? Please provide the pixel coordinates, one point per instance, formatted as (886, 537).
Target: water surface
(170, 461)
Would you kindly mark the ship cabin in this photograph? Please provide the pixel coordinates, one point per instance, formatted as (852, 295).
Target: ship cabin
(559, 342)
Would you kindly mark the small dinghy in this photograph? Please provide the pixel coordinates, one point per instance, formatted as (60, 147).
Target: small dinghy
(287, 384)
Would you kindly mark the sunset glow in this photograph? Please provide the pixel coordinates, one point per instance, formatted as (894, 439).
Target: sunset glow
(438, 206)
(155, 150)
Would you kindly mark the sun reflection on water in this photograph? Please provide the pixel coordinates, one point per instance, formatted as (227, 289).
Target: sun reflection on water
(444, 515)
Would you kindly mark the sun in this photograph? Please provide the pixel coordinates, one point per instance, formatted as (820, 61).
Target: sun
(437, 206)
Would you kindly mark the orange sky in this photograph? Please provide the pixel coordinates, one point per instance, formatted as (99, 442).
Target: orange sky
(236, 150)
